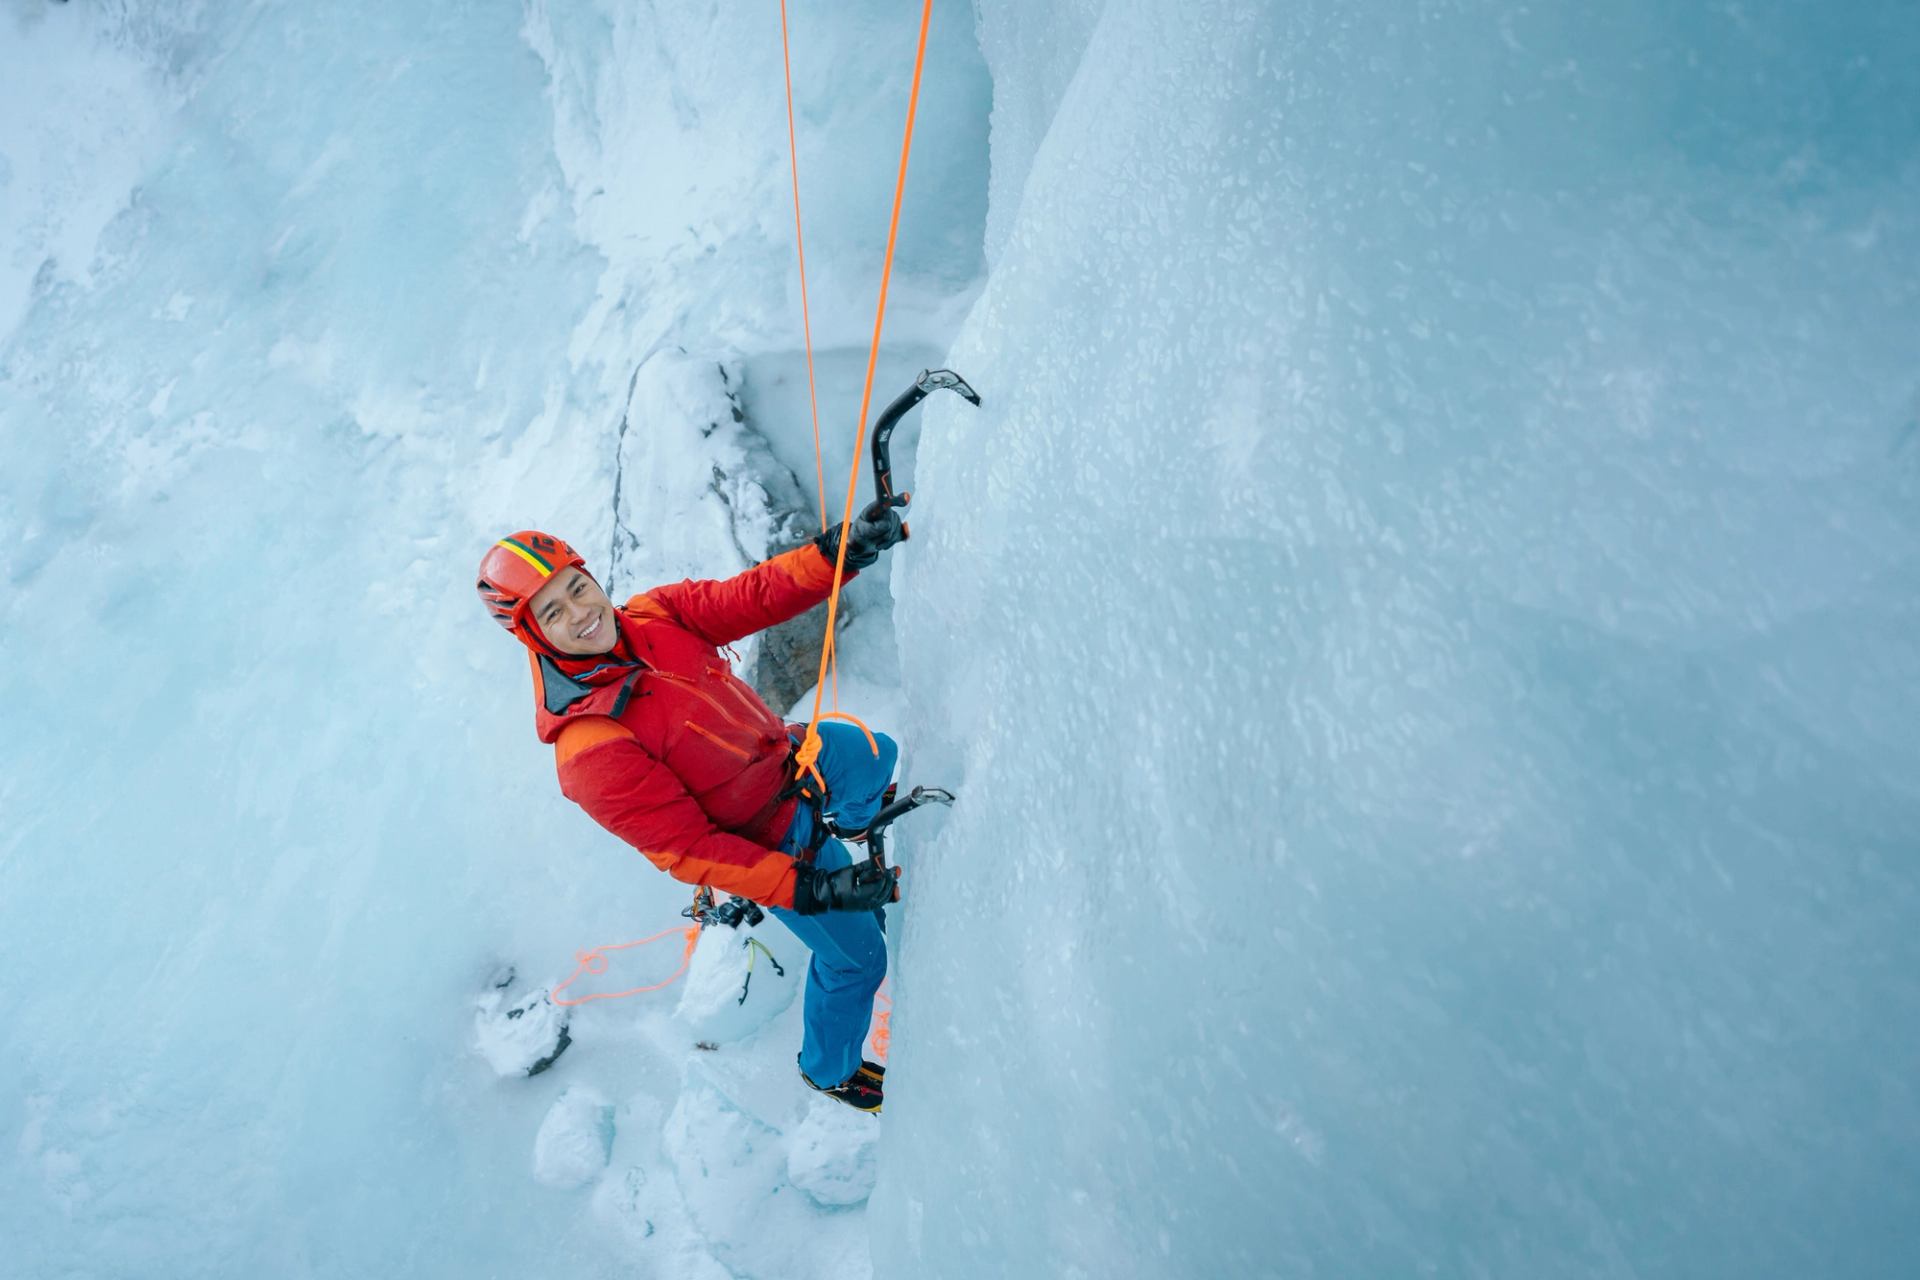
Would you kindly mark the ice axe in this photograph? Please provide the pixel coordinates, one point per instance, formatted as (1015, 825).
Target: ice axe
(877, 829)
(929, 381)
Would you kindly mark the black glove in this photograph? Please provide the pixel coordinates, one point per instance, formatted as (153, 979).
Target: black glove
(874, 530)
(861, 887)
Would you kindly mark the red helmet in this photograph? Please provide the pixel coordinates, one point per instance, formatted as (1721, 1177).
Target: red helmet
(517, 566)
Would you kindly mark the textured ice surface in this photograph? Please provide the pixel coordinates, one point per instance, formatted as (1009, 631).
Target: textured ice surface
(574, 1140)
(728, 1141)
(82, 116)
(669, 128)
(1428, 660)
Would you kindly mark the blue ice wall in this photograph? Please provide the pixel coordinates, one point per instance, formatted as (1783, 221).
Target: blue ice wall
(1424, 630)
(244, 888)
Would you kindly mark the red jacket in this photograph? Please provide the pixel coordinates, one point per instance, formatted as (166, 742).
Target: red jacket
(666, 747)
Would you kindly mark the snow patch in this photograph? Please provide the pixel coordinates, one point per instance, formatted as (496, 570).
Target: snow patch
(519, 1034)
(574, 1140)
(834, 1155)
(738, 981)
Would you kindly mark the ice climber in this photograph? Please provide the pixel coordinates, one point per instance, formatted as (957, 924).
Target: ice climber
(664, 746)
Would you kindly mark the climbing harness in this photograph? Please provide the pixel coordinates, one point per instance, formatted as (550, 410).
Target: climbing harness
(738, 911)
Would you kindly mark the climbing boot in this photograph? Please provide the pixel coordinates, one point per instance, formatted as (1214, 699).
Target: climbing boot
(859, 1091)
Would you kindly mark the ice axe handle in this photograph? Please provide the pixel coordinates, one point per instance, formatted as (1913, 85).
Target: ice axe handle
(878, 507)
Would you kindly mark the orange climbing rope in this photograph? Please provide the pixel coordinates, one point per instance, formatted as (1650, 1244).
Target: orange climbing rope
(880, 1033)
(810, 747)
(594, 960)
(800, 246)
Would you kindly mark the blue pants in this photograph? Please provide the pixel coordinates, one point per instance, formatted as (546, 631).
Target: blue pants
(849, 949)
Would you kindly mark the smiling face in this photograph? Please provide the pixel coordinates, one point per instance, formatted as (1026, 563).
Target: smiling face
(574, 614)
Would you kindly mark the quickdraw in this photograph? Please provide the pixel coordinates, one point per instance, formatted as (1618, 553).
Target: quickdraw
(732, 913)
(753, 945)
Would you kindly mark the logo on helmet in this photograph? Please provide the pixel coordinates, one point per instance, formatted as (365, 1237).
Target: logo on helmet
(516, 567)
